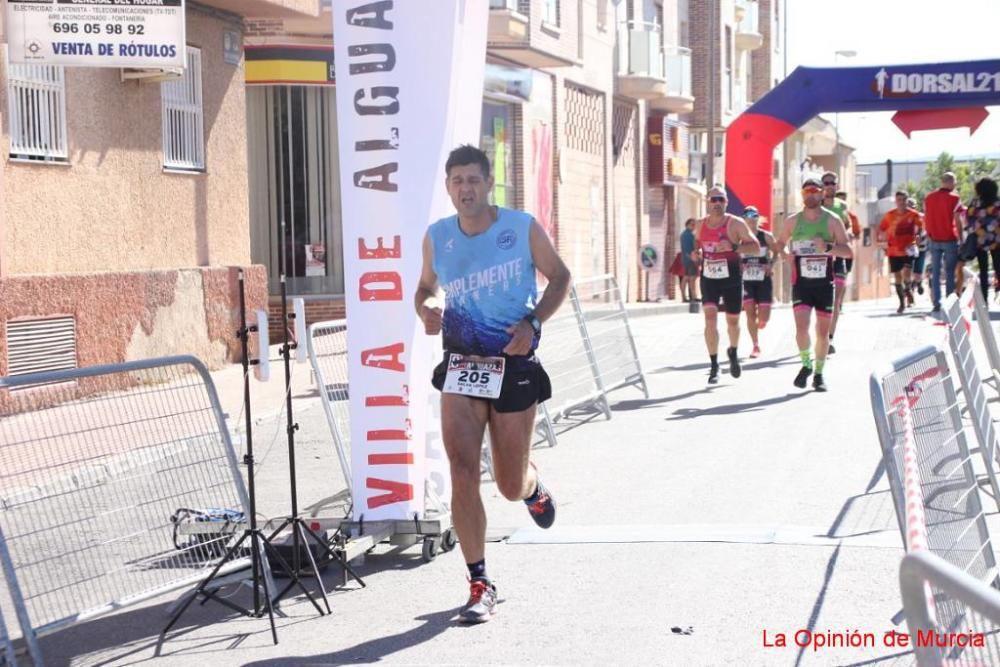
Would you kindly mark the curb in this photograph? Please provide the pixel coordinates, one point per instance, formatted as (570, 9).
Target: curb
(637, 310)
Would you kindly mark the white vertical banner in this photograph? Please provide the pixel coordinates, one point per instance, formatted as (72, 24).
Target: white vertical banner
(409, 81)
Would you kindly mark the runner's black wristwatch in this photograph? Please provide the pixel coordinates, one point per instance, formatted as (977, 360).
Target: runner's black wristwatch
(535, 324)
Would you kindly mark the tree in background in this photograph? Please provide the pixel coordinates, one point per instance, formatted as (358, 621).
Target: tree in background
(966, 175)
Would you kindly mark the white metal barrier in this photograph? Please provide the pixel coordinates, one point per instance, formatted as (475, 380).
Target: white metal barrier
(588, 349)
(986, 332)
(569, 360)
(117, 483)
(7, 656)
(956, 523)
(327, 346)
(961, 622)
(607, 327)
(960, 340)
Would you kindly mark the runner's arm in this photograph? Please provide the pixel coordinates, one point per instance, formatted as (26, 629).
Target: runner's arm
(772, 245)
(841, 245)
(550, 265)
(748, 243)
(784, 235)
(427, 288)
(883, 227)
(696, 253)
(855, 224)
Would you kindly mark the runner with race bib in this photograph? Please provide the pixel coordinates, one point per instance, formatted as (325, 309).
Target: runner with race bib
(485, 259)
(720, 239)
(758, 289)
(813, 238)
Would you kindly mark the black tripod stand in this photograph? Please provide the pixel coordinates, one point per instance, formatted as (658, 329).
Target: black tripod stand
(260, 547)
(301, 532)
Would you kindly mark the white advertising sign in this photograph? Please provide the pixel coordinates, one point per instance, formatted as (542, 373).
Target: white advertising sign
(97, 33)
(409, 90)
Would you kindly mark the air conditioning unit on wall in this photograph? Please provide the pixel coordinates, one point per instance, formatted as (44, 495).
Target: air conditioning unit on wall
(151, 74)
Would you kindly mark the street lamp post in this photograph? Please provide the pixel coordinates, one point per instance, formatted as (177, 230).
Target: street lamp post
(846, 53)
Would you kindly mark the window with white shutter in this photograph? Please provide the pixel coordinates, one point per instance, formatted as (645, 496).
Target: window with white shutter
(36, 98)
(183, 118)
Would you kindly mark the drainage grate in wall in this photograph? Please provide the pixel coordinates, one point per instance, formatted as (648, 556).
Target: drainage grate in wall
(36, 346)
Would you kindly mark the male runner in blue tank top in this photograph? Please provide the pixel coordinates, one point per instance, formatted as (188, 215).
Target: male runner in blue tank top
(485, 259)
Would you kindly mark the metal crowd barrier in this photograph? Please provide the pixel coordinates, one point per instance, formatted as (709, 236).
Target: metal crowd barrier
(609, 332)
(960, 340)
(327, 346)
(568, 357)
(986, 332)
(117, 483)
(956, 523)
(588, 348)
(7, 656)
(961, 624)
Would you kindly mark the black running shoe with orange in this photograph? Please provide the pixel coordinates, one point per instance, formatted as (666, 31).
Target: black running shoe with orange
(482, 602)
(541, 506)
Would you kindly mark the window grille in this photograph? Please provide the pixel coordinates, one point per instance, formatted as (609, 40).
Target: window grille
(183, 118)
(37, 108)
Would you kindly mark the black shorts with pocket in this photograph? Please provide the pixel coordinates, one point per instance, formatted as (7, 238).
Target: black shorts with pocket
(525, 383)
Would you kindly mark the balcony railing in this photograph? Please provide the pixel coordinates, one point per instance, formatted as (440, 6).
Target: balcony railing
(677, 60)
(504, 4)
(639, 50)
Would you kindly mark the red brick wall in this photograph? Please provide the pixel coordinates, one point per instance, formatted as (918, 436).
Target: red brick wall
(264, 27)
(564, 41)
(317, 310)
(699, 11)
(764, 67)
(110, 308)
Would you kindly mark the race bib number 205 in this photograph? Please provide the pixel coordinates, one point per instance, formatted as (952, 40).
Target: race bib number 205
(478, 377)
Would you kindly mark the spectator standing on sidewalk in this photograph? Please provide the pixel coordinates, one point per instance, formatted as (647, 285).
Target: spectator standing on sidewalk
(982, 235)
(943, 222)
(690, 278)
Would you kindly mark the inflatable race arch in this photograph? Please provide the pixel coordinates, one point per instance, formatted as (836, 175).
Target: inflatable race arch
(808, 91)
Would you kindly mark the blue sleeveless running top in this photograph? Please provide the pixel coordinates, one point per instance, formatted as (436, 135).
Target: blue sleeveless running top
(488, 281)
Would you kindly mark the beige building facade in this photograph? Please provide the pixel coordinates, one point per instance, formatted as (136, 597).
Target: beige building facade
(125, 202)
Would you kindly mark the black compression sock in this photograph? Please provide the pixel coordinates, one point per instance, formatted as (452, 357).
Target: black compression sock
(477, 570)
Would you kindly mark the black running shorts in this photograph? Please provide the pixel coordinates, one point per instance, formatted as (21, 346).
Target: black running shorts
(728, 291)
(525, 383)
(760, 292)
(896, 264)
(813, 295)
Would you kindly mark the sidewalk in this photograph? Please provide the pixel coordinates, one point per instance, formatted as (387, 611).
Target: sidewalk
(690, 525)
